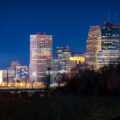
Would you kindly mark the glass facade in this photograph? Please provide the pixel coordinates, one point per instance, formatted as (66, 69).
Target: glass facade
(110, 45)
(63, 55)
(110, 36)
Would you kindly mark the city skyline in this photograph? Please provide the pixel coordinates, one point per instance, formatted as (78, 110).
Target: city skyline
(68, 26)
(60, 59)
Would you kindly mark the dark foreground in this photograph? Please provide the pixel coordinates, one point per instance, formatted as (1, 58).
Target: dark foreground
(58, 107)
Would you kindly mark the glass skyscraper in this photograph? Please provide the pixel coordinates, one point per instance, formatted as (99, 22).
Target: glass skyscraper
(110, 36)
(110, 45)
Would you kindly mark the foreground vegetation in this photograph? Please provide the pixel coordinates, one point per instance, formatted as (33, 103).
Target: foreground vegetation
(105, 82)
(27, 107)
(88, 95)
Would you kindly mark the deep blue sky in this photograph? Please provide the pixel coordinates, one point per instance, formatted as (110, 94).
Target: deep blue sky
(67, 20)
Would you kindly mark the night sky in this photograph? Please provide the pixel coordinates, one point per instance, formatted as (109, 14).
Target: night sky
(67, 20)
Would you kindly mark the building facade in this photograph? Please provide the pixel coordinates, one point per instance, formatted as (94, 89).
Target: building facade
(93, 46)
(110, 45)
(63, 55)
(40, 51)
(10, 73)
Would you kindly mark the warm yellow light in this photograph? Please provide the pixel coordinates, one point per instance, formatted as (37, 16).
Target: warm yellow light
(78, 59)
(22, 84)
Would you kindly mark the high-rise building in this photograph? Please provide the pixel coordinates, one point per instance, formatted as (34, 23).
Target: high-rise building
(63, 55)
(110, 36)
(63, 63)
(93, 46)
(40, 51)
(60, 65)
(110, 45)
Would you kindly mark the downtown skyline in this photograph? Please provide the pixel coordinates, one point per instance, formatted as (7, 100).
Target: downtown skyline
(68, 26)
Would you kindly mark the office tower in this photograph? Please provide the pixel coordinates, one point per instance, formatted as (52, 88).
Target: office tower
(40, 51)
(110, 49)
(60, 65)
(93, 46)
(22, 73)
(110, 36)
(63, 55)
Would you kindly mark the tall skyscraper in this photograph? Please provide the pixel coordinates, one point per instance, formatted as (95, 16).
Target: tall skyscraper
(110, 45)
(110, 36)
(40, 51)
(93, 46)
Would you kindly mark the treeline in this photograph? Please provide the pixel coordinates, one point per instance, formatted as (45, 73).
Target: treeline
(105, 82)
